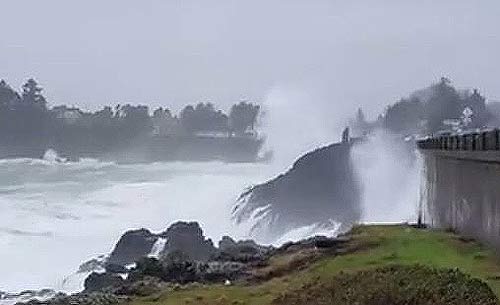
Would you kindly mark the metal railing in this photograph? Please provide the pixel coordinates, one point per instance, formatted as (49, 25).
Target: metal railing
(467, 141)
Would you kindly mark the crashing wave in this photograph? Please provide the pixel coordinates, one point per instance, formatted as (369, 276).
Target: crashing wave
(52, 156)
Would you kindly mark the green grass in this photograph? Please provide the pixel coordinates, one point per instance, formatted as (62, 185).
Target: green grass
(372, 246)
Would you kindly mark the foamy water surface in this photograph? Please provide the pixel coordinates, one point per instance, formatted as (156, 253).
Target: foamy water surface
(56, 215)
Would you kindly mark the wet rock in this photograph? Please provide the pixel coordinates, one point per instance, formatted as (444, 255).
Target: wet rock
(132, 246)
(115, 268)
(102, 281)
(241, 251)
(219, 272)
(321, 187)
(326, 242)
(316, 242)
(188, 238)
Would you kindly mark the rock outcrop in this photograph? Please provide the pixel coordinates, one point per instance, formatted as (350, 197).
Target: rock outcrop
(99, 281)
(187, 256)
(188, 238)
(181, 236)
(318, 189)
(241, 251)
(232, 262)
(132, 246)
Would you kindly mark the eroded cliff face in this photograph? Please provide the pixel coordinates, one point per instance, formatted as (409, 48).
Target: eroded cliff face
(320, 189)
(463, 194)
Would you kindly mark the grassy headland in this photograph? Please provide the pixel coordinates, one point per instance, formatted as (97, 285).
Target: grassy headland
(369, 248)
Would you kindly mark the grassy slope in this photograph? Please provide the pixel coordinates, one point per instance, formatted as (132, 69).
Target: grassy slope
(376, 246)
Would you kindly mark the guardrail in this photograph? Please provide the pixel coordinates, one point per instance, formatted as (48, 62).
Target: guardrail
(470, 141)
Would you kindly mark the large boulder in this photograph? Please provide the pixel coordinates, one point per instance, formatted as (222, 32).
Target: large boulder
(101, 281)
(241, 251)
(174, 268)
(188, 238)
(132, 246)
(319, 190)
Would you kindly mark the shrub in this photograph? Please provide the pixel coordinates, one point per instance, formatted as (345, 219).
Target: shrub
(394, 285)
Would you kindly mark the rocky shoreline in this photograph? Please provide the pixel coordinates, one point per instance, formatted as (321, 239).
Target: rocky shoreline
(369, 265)
(187, 258)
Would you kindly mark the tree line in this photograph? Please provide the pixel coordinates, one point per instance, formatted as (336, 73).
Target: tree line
(25, 118)
(439, 106)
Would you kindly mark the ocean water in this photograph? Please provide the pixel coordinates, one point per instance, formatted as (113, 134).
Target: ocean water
(56, 215)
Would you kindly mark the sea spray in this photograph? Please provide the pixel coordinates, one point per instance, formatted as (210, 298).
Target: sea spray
(298, 118)
(388, 169)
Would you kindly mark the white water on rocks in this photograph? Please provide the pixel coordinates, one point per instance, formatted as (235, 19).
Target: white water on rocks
(158, 247)
(56, 215)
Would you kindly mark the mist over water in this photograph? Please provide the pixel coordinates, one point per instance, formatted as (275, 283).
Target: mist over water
(56, 214)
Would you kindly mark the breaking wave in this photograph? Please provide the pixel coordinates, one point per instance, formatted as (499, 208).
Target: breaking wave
(57, 213)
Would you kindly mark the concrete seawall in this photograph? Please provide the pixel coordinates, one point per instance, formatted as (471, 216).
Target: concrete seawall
(462, 190)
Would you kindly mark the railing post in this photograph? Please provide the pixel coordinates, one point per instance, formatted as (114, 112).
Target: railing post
(497, 139)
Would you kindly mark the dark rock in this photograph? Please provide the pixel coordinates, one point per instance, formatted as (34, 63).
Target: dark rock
(101, 281)
(188, 238)
(318, 242)
(132, 246)
(320, 187)
(241, 251)
(147, 266)
(325, 242)
(176, 267)
(115, 268)
(94, 298)
(221, 271)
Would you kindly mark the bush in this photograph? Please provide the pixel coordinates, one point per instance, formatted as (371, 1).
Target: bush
(394, 285)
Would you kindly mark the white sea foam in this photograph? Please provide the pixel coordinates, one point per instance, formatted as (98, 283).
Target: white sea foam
(13, 298)
(329, 229)
(56, 215)
(158, 247)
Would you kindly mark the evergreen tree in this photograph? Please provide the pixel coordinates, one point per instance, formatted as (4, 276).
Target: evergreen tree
(32, 95)
(243, 116)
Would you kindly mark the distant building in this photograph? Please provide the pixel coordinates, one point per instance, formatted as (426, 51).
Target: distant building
(166, 126)
(69, 115)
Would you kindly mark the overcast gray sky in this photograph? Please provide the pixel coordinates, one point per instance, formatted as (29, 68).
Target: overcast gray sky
(171, 52)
